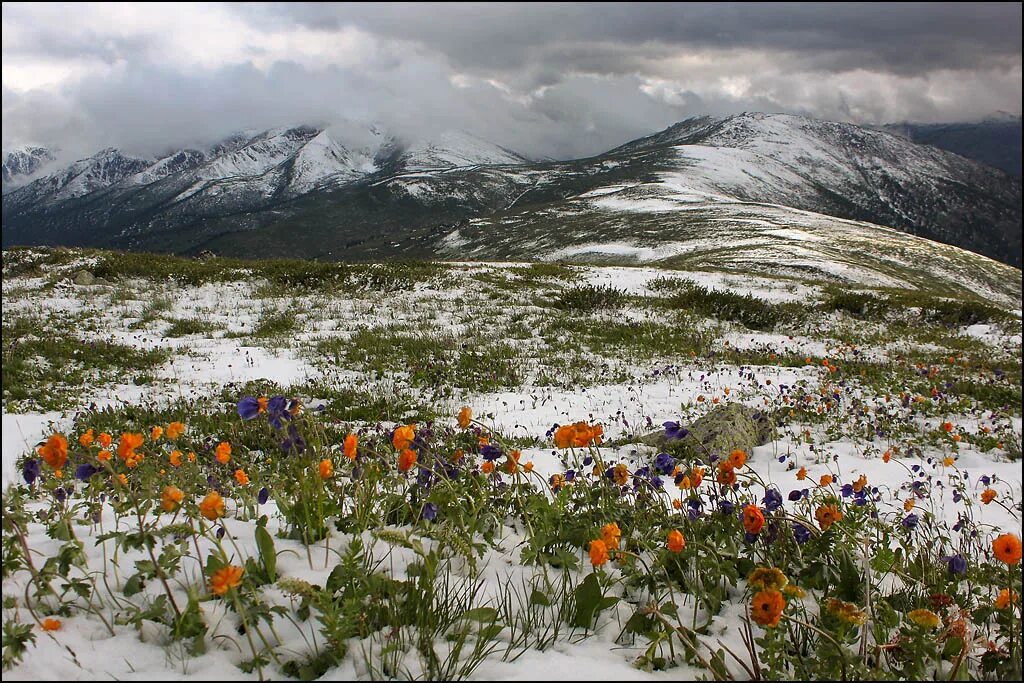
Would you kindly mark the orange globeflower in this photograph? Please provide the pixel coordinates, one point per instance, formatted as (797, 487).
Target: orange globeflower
(105, 439)
(753, 519)
(176, 458)
(407, 459)
(621, 474)
(887, 456)
(861, 482)
(1005, 598)
(676, 542)
(403, 437)
(212, 507)
(908, 504)
(326, 469)
(801, 474)
(988, 495)
(487, 467)
(598, 552)
(677, 504)
(103, 455)
(737, 459)
(766, 608)
(51, 624)
(225, 579)
(171, 498)
(129, 442)
(827, 515)
(465, 416)
(87, 438)
(564, 436)
(826, 479)
(351, 443)
(726, 475)
(55, 451)
(698, 476)
(175, 429)
(528, 467)
(223, 453)
(241, 477)
(947, 426)
(610, 535)
(1007, 549)
(156, 433)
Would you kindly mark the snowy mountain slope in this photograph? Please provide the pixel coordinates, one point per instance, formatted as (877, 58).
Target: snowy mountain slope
(22, 165)
(351, 192)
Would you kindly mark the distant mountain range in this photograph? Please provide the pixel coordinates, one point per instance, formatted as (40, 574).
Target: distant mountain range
(995, 141)
(360, 194)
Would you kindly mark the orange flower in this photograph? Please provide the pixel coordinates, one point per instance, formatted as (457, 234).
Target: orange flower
(191, 456)
(908, 504)
(621, 474)
(528, 467)
(677, 504)
(737, 459)
(726, 475)
(55, 451)
(557, 482)
(175, 429)
(129, 442)
(51, 624)
(487, 467)
(676, 542)
(465, 416)
(212, 507)
(598, 552)
(262, 402)
(698, 476)
(801, 474)
(766, 608)
(242, 478)
(826, 479)
(610, 535)
(947, 426)
(351, 443)
(403, 437)
(156, 433)
(827, 515)
(223, 452)
(887, 456)
(685, 482)
(1005, 598)
(407, 459)
(753, 519)
(105, 439)
(103, 456)
(123, 479)
(225, 579)
(458, 455)
(326, 468)
(948, 461)
(171, 498)
(564, 436)
(176, 458)
(988, 495)
(511, 466)
(87, 438)
(861, 482)
(1007, 549)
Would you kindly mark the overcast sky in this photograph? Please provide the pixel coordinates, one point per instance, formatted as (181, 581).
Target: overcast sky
(558, 80)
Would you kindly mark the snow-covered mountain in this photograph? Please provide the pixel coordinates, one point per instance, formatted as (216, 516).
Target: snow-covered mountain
(22, 165)
(358, 192)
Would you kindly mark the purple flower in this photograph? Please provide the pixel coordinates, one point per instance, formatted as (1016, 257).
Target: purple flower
(85, 471)
(674, 431)
(264, 495)
(726, 507)
(772, 500)
(248, 408)
(801, 533)
(570, 475)
(665, 463)
(956, 564)
(795, 495)
(30, 470)
(847, 490)
(985, 479)
(429, 512)
(911, 521)
(490, 452)
(749, 538)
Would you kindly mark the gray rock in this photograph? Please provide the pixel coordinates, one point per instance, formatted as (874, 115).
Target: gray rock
(83, 277)
(723, 430)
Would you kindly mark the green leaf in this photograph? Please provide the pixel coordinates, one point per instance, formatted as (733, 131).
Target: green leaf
(134, 585)
(481, 614)
(588, 601)
(538, 598)
(268, 555)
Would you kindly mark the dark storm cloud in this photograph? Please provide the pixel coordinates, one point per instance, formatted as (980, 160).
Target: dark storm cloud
(556, 80)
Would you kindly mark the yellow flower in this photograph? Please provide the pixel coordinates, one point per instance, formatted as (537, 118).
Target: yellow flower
(846, 611)
(765, 578)
(225, 579)
(924, 618)
(212, 506)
